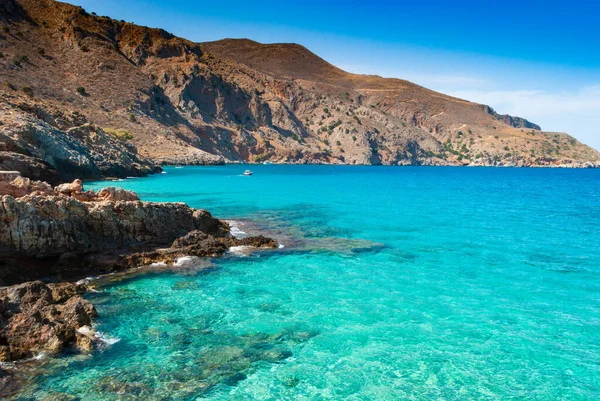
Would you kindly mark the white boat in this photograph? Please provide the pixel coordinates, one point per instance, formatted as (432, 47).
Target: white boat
(267, 162)
(247, 172)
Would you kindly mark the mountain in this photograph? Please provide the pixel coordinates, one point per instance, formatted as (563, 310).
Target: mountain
(148, 95)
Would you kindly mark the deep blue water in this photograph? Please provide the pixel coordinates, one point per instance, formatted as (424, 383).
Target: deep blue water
(395, 283)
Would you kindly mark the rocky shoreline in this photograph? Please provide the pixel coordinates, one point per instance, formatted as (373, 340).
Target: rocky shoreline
(51, 237)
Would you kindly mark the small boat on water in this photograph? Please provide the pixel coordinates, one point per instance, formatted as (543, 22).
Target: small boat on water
(247, 172)
(267, 163)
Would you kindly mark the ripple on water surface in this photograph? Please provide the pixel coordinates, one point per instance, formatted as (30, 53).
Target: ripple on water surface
(394, 283)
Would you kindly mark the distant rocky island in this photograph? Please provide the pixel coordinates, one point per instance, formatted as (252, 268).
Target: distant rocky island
(86, 96)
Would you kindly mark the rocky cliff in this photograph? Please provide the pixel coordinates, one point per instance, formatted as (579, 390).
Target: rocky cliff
(43, 143)
(237, 100)
(64, 232)
(68, 230)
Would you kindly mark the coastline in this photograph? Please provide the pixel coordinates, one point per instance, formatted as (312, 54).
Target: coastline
(578, 165)
(78, 241)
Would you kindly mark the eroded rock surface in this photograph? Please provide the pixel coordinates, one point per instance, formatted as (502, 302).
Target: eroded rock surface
(49, 225)
(64, 232)
(195, 243)
(42, 317)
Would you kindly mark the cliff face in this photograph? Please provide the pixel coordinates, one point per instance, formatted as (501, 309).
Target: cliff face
(236, 100)
(64, 231)
(49, 145)
(42, 225)
(68, 233)
(516, 122)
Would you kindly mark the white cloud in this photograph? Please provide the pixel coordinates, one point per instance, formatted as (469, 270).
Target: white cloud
(577, 113)
(537, 103)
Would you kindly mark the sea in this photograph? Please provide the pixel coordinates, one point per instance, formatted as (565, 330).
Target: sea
(389, 283)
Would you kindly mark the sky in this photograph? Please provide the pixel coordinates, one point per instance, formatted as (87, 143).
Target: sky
(535, 59)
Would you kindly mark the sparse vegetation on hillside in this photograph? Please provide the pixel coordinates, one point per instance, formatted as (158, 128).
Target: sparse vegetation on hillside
(227, 97)
(119, 133)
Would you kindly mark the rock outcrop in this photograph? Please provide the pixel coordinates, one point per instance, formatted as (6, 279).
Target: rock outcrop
(195, 243)
(66, 232)
(70, 231)
(44, 226)
(513, 121)
(43, 317)
(52, 146)
(22, 186)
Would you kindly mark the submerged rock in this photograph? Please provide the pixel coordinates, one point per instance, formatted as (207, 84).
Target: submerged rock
(195, 243)
(9, 384)
(259, 241)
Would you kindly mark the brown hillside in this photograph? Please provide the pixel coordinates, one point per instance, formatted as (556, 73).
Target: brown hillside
(176, 101)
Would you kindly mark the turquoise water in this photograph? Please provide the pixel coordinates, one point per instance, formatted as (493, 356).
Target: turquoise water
(411, 283)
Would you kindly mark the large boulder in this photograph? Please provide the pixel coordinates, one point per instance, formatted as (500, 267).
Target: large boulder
(116, 194)
(21, 186)
(69, 189)
(42, 317)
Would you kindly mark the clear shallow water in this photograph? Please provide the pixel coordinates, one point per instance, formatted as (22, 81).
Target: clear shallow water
(407, 283)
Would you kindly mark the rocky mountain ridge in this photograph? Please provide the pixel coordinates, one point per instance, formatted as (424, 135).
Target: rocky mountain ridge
(235, 100)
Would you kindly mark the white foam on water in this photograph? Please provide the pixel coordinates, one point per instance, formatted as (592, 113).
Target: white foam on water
(184, 260)
(234, 227)
(97, 336)
(157, 264)
(241, 250)
(108, 340)
(87, 331)
(87, 280)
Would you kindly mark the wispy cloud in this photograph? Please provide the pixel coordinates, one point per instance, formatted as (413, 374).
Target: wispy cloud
(577, 112)
(537, 103)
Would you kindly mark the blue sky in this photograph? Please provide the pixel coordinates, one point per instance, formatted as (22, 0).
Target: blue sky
(535, 59)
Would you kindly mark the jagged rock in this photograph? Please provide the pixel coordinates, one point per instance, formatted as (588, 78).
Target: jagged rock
(38, 316)
(53, 147)
(22, 186)
(259, 241)
(93, 232)
(44, 226)
(30, 167)
(70, 189)
(205, 222)
(195, 243)
(116, 194)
